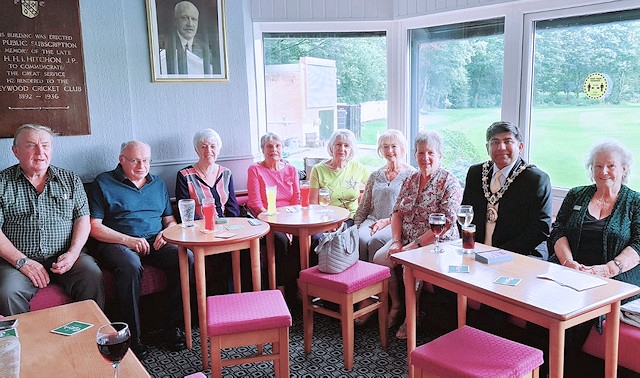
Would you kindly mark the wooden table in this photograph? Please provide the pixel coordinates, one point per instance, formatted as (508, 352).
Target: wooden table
(536, 300)
(46, 354)
(303, 223)
(202, 245)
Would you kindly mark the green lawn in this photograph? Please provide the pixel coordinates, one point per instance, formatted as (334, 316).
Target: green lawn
(561, 137)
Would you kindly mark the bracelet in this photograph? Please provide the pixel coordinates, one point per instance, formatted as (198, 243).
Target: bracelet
(618, 264)
(566, 261)
(396, 241)
(417, 241)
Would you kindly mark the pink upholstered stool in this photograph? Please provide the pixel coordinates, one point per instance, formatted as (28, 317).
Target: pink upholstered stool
(469, 352)
(628, 345)
(244, 319)
(361, 281)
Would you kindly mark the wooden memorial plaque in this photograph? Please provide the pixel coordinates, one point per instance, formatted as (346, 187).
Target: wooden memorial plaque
(42, 77)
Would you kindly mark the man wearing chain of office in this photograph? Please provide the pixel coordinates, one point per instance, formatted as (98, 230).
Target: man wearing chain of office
(511, 198)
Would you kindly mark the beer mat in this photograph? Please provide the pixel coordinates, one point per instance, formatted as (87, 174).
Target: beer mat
(458, 268)
(234, 227)
(510, 281)
(225, 235)
(72, 328)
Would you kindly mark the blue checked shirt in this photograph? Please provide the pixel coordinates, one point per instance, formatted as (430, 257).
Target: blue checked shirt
(40, 225)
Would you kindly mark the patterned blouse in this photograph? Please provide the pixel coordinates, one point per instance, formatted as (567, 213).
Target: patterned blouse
(441, 194)
(380, 195)
(190, 185)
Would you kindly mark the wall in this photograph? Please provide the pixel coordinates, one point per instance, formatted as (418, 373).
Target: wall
(124, 104)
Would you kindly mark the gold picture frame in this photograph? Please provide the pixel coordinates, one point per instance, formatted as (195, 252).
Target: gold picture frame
(187, 40)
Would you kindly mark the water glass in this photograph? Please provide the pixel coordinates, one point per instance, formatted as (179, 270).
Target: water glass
(9, 357)
(187, 209)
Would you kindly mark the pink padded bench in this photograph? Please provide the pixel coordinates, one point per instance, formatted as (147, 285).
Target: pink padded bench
(469, 352)
(361, 281)
(628, 345)
(153, 281)
(251, 318)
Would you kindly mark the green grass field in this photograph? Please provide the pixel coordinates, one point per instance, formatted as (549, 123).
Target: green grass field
(560, 140)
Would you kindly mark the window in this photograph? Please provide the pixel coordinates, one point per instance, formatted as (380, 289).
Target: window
(567, 118)
(318, 82)
(456, 87)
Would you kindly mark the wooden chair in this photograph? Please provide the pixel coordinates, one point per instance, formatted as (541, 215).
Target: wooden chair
(361, 281)
(252, 318)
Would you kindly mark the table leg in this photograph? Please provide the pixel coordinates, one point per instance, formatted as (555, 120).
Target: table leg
(611, 344)
(556, 350)
(255, 264)
(271, 260)
(410, 300)
(235, 263)
(462, 310)
(183, 261)
(305, 244)
(201, 295)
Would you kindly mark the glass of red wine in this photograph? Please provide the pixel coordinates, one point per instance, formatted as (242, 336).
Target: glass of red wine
(438, 223)
(113, 342)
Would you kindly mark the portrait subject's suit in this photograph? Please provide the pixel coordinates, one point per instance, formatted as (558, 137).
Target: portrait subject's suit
(524, 211)
(175, 59)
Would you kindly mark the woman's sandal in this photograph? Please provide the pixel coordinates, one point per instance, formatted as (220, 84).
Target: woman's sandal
(392, 317)
(402, 332)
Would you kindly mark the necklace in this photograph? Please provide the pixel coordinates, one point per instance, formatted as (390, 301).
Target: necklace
(492, 199)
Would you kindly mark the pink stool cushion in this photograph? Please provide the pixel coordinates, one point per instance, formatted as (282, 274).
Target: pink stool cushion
(358, 276)
(469, 352)
(245, 312)
(51, 296)
(628, 345)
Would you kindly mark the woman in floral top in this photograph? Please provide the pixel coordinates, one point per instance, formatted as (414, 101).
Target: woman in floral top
(430, 190)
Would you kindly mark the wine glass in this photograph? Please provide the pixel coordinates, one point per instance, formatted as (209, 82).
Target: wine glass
(113, 341)
(324, 197)
(465, 215)
(437, 222)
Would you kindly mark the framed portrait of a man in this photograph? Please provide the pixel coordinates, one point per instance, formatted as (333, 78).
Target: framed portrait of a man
(187, 40)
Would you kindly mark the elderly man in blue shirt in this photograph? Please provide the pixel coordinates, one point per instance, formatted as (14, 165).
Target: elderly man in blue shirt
(129, 210)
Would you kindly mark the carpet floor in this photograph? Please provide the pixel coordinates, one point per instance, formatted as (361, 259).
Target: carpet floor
(325, 360)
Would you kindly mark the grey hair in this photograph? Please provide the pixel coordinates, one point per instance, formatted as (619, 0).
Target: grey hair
(30, 126)
(268, 137)
(207, 135)
(611, 146)
(430, 138)
(184, 4)
(392, 136)
(125, 145)
(344, 134)
(503, 127)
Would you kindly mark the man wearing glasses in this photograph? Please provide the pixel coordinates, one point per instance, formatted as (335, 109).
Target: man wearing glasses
(129, 209)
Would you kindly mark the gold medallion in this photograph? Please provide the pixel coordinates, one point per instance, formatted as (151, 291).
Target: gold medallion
(492, 214)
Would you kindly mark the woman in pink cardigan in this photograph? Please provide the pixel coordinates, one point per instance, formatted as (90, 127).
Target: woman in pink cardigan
(274, 171)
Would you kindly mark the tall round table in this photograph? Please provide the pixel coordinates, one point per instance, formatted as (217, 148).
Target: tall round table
(303, 223)
(204, 244)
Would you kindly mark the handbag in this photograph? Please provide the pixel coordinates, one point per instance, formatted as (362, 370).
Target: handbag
(338, 250)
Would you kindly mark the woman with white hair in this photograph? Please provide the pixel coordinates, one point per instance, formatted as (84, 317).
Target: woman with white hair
(340, 174)
(207, 179)
(597, 229)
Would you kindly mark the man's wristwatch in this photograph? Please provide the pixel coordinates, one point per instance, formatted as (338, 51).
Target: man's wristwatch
(21, 262)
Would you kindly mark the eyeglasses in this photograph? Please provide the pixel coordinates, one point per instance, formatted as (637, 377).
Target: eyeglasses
(137, 161)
